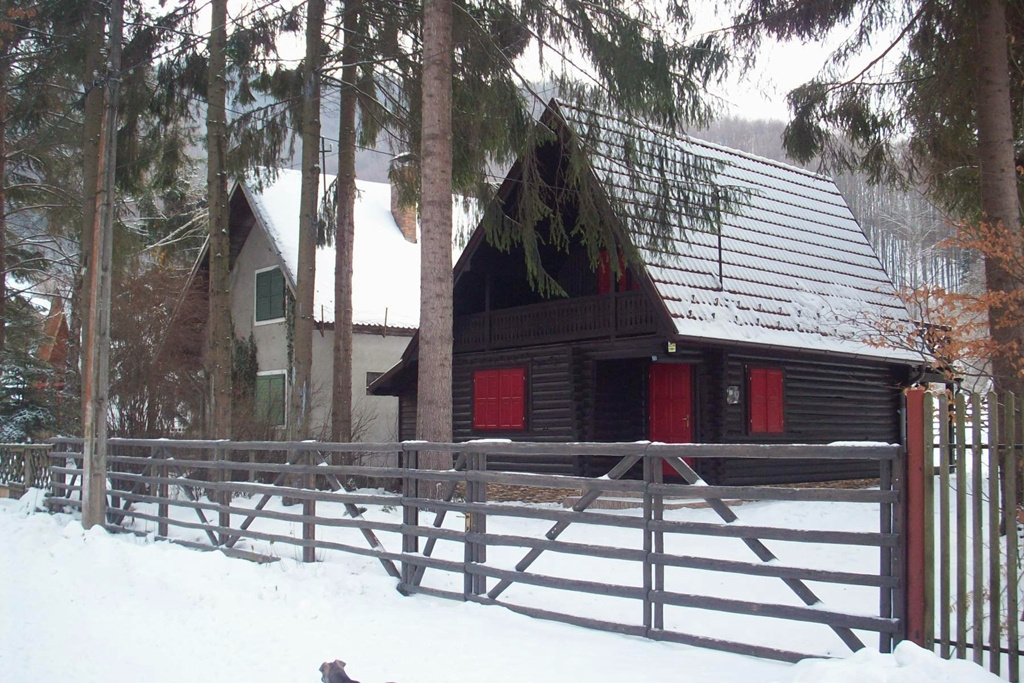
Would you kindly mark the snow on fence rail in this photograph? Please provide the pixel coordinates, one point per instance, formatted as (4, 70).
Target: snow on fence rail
(653, 572)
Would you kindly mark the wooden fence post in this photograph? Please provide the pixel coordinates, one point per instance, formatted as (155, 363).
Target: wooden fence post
(476, 524)
(410, 512)
(659, 544)
(915, 525)
(57, 479)
(29, 470)
(1014, 442)
(163, 493)
(309, 511)
(945, 450)
(224, 495)
(648, 543)
(977, 533)
(961, 526)
(994, 564)
(928, 437)
(469, 581)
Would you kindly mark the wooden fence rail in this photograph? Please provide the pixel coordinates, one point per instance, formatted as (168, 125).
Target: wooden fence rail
(232, 496)
(972, 526)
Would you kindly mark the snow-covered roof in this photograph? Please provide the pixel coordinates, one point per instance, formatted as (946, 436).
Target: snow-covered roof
(385, 266)
(36, 293)
(791, 267)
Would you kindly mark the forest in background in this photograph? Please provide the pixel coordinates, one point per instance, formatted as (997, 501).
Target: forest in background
(910, 235)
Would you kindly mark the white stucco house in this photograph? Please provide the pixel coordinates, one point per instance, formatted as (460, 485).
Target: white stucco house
(385, 297)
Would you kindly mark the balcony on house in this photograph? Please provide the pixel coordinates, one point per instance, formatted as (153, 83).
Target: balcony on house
(621, 314)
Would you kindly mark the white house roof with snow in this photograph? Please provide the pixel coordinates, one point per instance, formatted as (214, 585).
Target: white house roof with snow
(386, 267)
(790, 266)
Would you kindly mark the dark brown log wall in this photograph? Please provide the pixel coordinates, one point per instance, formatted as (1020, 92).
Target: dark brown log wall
(825, 401)
(407, 415)
(549, 409)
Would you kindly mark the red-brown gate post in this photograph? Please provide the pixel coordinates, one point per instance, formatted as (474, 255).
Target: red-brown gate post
(914, 506)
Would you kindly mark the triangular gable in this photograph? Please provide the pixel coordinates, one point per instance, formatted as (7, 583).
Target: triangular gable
(789, 268)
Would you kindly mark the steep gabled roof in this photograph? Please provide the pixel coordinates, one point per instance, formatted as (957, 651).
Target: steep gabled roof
(386, 267)
(790, 266)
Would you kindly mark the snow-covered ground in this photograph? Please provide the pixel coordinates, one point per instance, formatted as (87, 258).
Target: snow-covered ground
(90, 606)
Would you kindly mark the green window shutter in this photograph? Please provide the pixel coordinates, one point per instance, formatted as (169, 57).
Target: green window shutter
(270, 398)
(269, 295)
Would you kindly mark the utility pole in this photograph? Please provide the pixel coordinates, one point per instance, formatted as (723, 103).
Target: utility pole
(95, 368)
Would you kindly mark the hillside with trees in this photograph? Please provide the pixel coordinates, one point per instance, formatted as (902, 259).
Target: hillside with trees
(910, 234)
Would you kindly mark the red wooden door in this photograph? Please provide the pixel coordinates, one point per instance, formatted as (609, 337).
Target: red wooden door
(670, 409)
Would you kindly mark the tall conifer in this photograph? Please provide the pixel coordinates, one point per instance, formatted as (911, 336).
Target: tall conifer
(221, 338)
(301, 396)
(434, 395)
(341, 388)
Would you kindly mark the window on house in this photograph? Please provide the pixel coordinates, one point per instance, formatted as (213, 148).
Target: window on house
(371, 377)
(269, 295)
(271, 398)
(499, 399)
(764, 391)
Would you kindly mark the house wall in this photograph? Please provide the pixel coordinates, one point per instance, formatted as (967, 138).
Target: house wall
(272, 337)
(549, 408)
(375, 418)
(598, 392)
(825, 401)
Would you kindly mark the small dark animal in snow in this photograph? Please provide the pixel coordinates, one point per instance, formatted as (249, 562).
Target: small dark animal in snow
(334, 672)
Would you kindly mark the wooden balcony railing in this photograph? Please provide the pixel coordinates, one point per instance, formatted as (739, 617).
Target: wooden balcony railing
(589, 317)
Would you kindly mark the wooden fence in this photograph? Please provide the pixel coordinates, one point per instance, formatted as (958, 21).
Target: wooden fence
(214, 494)
(971, 563)
(24, 466)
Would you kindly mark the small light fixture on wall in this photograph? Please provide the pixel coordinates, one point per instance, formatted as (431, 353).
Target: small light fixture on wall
(671, 347)
(732, 394)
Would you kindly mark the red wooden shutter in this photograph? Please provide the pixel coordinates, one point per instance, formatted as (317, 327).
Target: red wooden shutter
(485, 399)
(604, 274)
(765, 401)
(512, 404)
(758, 401)
(773, 402)
(499, 399)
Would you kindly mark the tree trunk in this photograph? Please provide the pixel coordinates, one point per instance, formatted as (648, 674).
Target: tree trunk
(92, 130)
(218, 359)
(434, 406)
(999, 200)
(999, 203)
(4, 72)
(96, 371)
(306, 275)
(344, 234)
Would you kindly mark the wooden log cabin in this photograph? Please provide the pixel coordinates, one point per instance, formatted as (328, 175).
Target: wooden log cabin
(752, 332)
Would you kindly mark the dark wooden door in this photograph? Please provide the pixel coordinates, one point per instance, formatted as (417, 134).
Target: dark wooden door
(670, 407)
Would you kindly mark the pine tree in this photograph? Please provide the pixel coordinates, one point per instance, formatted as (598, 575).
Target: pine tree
(434, 396)
(952, 95)
(302, 381)
(344, 235)
(945, 118)
(221, 337)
